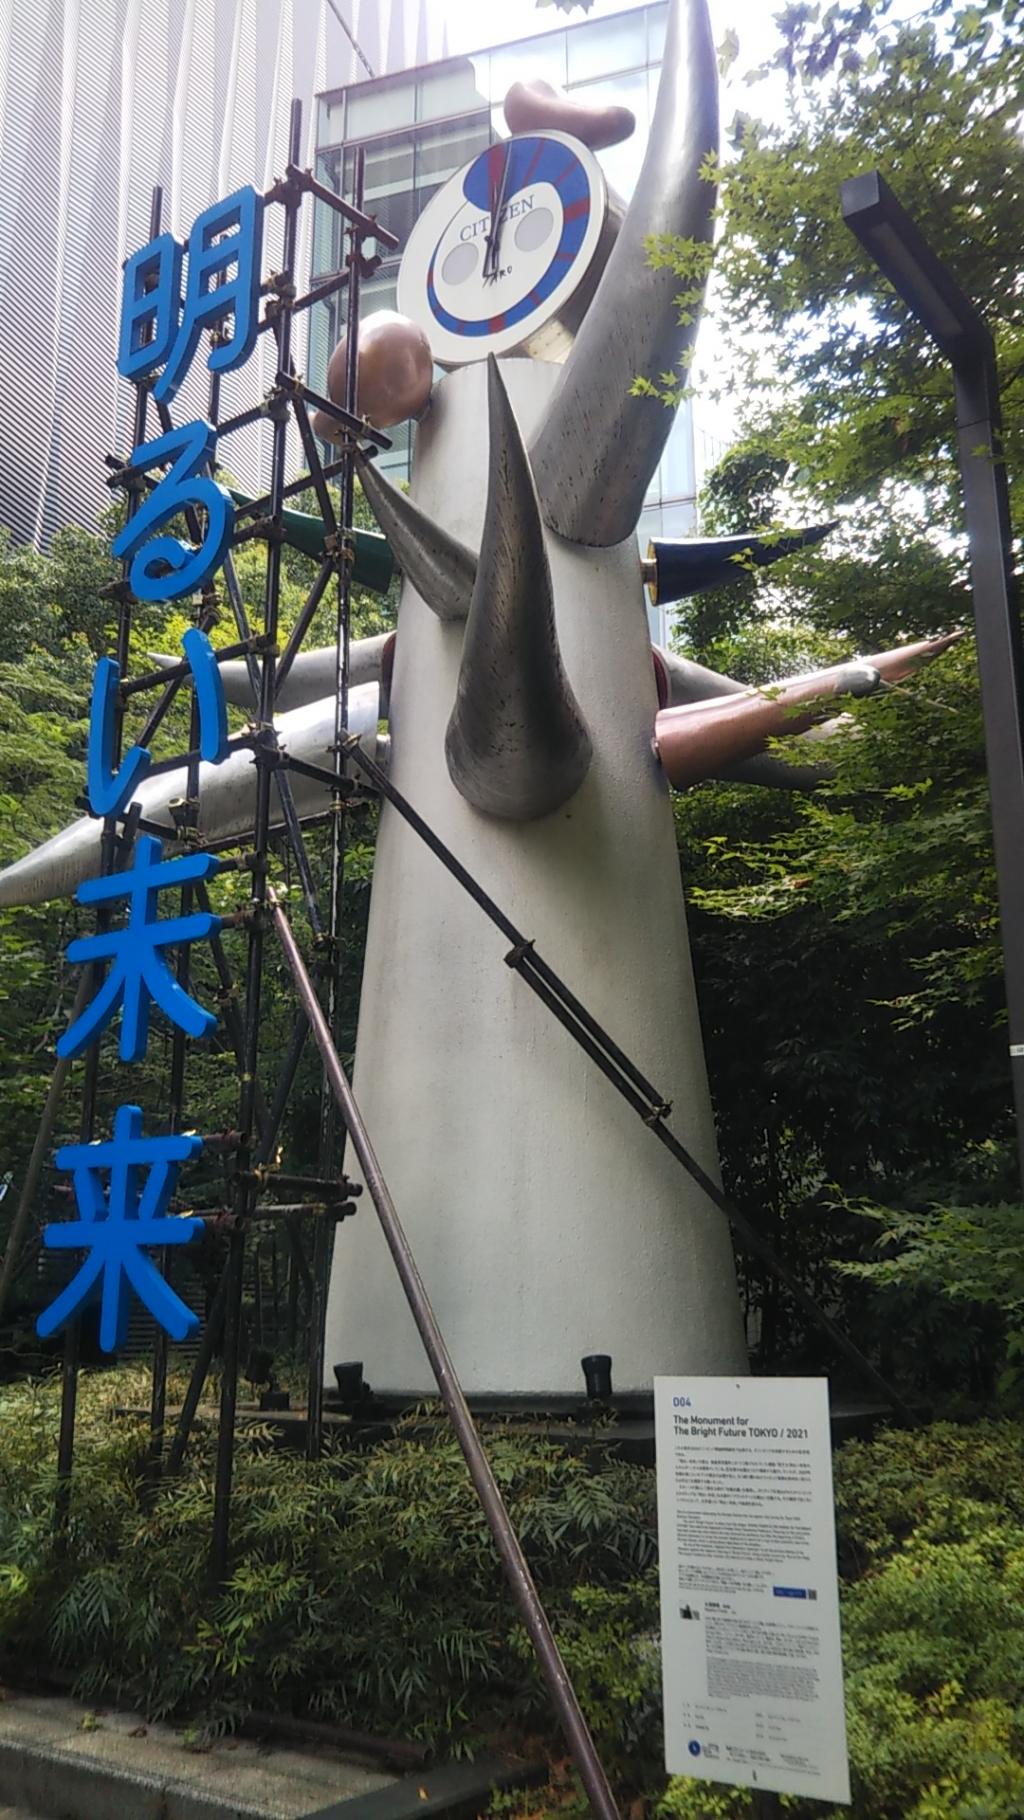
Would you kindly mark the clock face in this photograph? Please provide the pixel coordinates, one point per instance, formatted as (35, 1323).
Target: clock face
(503, 246)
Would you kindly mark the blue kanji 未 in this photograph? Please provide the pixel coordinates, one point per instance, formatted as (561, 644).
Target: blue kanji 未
(165, 568)
(225, 248)
(109, 791)
(139, 974)
(118, 1227)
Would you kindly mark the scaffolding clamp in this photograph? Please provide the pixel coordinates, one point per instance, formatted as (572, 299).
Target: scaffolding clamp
(517, 955)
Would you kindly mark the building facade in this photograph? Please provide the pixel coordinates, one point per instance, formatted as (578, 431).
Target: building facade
(99, 101)
(419, 127)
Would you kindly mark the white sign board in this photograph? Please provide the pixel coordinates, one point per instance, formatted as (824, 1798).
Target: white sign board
(753, 1672)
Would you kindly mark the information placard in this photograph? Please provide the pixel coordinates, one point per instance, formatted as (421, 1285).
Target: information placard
(753, 1674)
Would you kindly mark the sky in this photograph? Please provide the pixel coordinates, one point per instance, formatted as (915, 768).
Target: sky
(467, 28)
(471, 27)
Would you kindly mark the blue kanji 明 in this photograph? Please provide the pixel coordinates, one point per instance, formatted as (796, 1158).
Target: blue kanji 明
(164, 568)
(225, 249)
(227, 235)
(139, 973)
(118, 1227)
(108, 791)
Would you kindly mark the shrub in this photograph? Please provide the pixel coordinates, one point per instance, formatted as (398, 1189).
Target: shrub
(931, 1536)
(365, 1587)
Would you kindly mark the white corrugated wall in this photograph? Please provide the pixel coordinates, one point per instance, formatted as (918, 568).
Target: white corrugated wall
(100, 100)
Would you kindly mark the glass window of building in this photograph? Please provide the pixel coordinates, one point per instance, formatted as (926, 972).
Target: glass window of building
(530, 59)
(451, 89)
(603, 45)
(379, 107)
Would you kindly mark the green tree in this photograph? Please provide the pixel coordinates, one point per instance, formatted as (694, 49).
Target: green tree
(847, 944)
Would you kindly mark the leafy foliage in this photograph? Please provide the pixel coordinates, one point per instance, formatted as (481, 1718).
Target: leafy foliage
(841, 380)
(365, 1584)
(957, 1258)
(366, 1588)
(847, 947)
(931, 1529)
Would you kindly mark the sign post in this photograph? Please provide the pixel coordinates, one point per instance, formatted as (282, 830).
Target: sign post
(752, 1664)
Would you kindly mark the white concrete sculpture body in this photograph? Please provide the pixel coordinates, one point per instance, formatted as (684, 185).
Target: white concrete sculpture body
(546, 1222)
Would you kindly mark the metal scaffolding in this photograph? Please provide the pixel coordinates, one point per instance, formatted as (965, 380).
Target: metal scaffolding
(250, 1148)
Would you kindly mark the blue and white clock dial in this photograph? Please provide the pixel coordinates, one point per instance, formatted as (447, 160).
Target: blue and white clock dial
(498, 256)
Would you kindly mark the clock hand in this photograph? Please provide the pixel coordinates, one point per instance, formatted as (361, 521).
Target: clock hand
(489, 241)
(491, 262)
(494, 192)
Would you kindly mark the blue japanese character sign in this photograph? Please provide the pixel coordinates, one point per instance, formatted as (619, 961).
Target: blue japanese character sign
(167, 567)
(116, 1229)
(140, 975)
(158, 328)
(150, 302)
(224, 250)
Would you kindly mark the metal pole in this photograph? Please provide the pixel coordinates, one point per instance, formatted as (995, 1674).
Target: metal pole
(1000, 673)
(517, 1572)
(323, 1237)
(176, 1097)
(269, 1125)
(204, 1358)
(254, 972)
(40, 1151)
(623, 1074)
(902, 252)
(766, 1804)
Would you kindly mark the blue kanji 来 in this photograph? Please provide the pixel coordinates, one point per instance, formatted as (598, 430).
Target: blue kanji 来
(118, 1227)
(139, 973)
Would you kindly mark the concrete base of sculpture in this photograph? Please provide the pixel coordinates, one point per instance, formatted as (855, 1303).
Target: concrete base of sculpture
(546, 1222)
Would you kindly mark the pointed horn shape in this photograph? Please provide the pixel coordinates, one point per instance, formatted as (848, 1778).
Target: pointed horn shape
(680, 681)
(675, 568)
(598, 447)
(517, 745)
(895, 666)
(707, 737)
(440, 568)
(227, 800)
(373, 564)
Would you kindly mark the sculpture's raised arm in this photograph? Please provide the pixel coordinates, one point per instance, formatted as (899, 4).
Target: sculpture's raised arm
(596, 451)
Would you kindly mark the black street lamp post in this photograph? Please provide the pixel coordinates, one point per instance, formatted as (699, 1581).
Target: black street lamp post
(898, 247)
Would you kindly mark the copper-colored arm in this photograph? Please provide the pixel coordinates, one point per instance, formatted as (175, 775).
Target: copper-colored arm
(704, 738)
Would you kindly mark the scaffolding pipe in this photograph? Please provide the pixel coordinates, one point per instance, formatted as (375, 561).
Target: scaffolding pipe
(520, 1580)
(40, 1151)
(625, 1077)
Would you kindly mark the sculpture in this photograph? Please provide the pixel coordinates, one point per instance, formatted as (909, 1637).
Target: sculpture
(522, 715)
